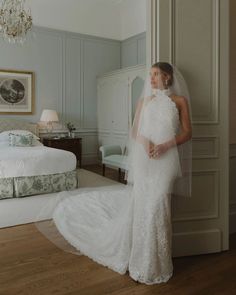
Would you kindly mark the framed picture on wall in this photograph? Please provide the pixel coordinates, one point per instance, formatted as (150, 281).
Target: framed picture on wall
(16, 92)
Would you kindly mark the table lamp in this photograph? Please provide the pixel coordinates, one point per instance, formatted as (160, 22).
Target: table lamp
(49, 116)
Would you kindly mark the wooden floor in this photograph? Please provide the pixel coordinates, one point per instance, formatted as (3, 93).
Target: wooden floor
(31, 265)
(109, 173)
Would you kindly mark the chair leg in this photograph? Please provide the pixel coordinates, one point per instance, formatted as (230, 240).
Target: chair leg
(103, 169)
(119, 174)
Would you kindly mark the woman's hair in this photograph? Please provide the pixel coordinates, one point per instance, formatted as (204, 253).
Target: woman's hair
(165, 68)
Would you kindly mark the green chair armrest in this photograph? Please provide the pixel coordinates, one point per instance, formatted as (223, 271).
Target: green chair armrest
(108, 150)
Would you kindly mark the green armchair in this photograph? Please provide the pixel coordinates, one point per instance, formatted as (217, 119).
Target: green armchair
(112, 156)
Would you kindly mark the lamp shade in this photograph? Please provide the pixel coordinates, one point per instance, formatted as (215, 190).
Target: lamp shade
(49, 116)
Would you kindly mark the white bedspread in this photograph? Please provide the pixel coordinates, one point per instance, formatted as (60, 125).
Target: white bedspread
(36, 160)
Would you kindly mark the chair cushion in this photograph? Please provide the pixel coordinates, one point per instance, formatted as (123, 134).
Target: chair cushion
(116, 160)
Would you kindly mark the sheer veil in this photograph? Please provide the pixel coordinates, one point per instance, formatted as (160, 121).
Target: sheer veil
(144, 135)
(183, 185)
(183, 182)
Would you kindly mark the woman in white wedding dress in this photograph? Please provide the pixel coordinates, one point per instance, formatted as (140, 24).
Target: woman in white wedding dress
(128, 228)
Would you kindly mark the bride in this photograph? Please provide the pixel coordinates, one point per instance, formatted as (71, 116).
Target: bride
(128, 227)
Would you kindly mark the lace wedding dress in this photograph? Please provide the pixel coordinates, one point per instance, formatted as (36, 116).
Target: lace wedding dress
(128, 228)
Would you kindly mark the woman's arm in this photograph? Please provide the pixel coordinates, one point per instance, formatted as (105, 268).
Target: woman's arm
(186, 130)
(185, 121)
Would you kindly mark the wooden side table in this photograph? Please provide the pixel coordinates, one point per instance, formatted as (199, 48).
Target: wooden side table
(73, 145)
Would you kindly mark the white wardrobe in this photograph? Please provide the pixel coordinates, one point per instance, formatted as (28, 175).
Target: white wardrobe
(118, 92)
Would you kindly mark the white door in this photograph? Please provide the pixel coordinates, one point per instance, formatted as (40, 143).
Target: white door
(194, 36)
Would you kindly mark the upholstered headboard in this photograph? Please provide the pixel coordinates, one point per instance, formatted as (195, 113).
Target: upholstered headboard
(11, 124)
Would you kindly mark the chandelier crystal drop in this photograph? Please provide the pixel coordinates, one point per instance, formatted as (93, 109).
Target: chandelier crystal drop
(15, 22)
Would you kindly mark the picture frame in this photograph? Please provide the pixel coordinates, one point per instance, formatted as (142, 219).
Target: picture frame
(16, 92)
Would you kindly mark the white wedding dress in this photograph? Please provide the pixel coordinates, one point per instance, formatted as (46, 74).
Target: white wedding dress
(128, 228)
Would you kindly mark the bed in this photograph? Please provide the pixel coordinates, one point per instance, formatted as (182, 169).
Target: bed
(18, 211)
(32, 170)
(21, 210)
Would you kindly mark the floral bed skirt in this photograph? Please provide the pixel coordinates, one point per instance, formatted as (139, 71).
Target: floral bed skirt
(17, 187)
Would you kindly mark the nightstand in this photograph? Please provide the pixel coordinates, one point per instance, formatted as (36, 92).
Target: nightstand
(70, 144)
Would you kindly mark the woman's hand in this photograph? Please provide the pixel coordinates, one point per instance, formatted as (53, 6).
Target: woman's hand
(156, 150)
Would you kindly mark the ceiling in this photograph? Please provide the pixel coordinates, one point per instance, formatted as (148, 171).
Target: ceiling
(115, 19)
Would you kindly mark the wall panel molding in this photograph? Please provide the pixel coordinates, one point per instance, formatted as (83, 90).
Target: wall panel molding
(196, 242)
(205, 147)
(205, 186)
(133, 50)
(212, 116)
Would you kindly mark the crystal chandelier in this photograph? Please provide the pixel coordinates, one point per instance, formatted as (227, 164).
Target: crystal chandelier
(14, 21)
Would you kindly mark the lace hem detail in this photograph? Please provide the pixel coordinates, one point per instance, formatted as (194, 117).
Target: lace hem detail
(140, 278)
(122, 269)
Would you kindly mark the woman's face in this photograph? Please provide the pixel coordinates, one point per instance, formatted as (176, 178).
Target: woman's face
(157, 78)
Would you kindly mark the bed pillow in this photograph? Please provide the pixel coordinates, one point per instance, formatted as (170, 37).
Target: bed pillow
(23, 140)
(4, 136)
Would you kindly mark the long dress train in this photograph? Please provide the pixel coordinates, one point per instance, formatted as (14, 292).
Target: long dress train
(128, 228)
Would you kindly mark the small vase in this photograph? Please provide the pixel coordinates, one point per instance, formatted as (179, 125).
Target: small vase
(69, 134)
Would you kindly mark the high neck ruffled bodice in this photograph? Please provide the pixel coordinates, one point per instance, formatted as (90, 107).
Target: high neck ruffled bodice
(160, 119)
(166, 91)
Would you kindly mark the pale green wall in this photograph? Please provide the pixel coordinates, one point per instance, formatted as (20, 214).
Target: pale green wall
(133, 50)
(66, 65)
